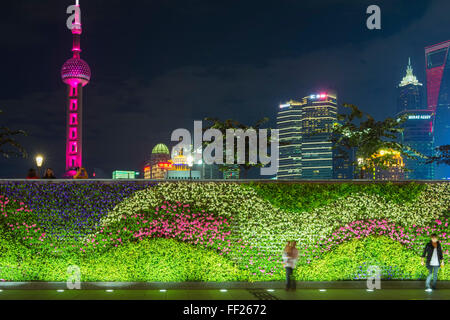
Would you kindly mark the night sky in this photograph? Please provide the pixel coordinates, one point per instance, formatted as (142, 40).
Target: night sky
(159, 65)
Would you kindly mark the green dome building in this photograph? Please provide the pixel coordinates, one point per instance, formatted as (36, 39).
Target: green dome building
(160, 148)
(160, 153)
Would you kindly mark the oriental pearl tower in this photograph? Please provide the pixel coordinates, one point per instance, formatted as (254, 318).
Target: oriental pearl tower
(76, 74)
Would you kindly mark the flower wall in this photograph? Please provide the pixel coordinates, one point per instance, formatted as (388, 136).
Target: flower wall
(218, 231)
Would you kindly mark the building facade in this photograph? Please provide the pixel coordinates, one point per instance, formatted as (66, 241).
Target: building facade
(418, 128)
(437, 61)
(153, 169)
(410, 92)
(392, 172)
(306, 150)
(319, 114)
(289, 124)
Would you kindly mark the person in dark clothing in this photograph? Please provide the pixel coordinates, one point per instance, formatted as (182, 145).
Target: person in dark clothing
(435, 260)
(32, 175)
(49, 174)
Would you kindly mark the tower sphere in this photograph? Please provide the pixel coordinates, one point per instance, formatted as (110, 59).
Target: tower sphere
(75, 71)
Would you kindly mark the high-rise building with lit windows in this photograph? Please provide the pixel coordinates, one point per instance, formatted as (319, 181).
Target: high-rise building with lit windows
(418, 128)
(76, 74)
(305, 128)
(437, 60)
(410, 92)
(319, 114)
(289, 123)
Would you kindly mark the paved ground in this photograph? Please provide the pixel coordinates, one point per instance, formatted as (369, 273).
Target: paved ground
(238, 294)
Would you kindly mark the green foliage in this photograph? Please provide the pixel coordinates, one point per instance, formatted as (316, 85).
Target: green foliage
(239, 231)
(8, 144)
(368, 137)
(351, 260)
(306, 196)
(150, 260)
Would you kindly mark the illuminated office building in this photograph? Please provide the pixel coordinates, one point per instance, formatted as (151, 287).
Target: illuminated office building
(289, 124)
(418, 128)
(410, 92)
(438, 94)
(319, 114)
(305, 139)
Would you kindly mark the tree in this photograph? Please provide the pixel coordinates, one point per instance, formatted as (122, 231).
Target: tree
(8, 145)
(442, 157)
(368, 137)
(222, 126)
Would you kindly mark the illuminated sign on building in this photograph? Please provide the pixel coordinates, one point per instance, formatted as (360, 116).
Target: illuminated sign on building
(419, 117)
(318, 96)
(285, 105)
(125, 175)
(165, 165)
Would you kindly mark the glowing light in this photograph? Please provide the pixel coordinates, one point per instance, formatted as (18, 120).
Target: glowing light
(76, 71)
(164, 165)
(419, 117)
(322, 290)
(60, 290)
(39, 160)
(270, 290)
(190, 161)
(109, 290)
(285, 105)
(163, 290)
(223, 290)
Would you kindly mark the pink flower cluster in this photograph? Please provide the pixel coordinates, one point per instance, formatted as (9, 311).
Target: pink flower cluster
(170, 222)
(412, 237)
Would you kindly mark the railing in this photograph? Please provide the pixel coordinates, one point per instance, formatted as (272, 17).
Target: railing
(142, 181)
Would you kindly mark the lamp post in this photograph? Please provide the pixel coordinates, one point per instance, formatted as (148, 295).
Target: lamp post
(190, 161)
(39, 162)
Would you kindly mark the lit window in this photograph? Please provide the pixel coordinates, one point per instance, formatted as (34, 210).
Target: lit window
(73, 133)
(73, 105)
(73, 91)
(73, 147)
(73, 119)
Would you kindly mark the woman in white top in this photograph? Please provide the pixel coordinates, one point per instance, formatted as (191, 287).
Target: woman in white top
(435, 259)
(290, 257)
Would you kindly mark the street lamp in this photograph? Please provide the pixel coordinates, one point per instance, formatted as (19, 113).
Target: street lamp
(190, 161)
(39, 162)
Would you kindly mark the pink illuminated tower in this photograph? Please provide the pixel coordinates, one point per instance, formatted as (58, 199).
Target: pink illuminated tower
(76, 74)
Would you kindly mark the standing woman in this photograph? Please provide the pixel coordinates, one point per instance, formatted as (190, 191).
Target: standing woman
(435, 259)
(290, 257)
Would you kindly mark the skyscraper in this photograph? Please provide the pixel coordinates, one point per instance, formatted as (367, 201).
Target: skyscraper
(76, 74)
(438, 94)
(418, 133)
(305, 137)
(289, 122)
(410, 92)
(319, 114)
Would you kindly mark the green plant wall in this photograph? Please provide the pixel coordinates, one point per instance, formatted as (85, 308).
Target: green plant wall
(218, 231)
